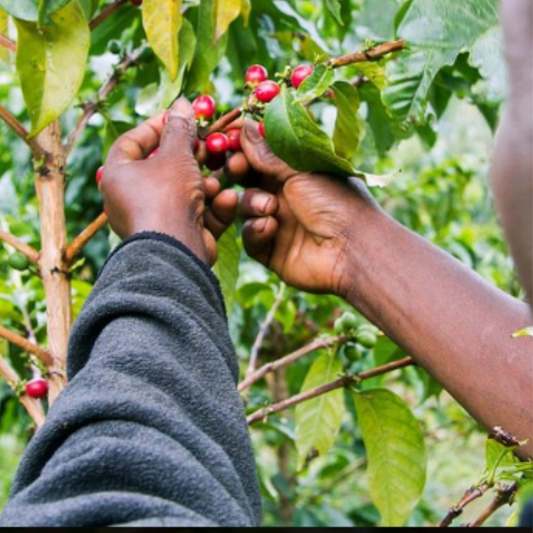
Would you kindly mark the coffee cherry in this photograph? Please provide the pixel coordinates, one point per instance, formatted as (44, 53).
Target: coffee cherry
(369, 328)
(234, 137)
(217, 143)
(204, 107)
(215, 162)
(300, 74)
(262, 131)
(367, 339)
(99, 175)
(115, 47)
(267, 91)
(18, 261)
(37, 388)
(256, 75)
(345, 324)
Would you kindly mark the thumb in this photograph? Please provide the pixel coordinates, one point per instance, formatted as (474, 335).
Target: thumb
(180, 130)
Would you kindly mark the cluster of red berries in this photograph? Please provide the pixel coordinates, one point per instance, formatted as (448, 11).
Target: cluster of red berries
(37, 388)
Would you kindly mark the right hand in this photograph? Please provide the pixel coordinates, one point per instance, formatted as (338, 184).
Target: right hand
(315, 218)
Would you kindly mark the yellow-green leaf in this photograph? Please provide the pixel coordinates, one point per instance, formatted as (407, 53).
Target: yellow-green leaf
(246, 9)
(226, 11)
(162, 21)
(4, 27)
(51, 63)
(396, 454)
(318, 421)
(227, 266)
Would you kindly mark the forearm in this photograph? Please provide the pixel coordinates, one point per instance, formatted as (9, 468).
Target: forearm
(452, 322)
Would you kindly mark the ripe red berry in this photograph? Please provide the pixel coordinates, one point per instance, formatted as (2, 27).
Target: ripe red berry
(99, 175)
(217, 143)
(37, 388)
(215, 162)
(300, 74)
(204, 107)
(256, 75)
(267, 91)
(262, 131)
(234, 137)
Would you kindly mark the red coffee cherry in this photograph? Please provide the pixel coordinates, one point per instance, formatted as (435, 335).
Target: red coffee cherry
(204, 107)
(99, 175)
(262, 131)
(234, 137)
(37, 388)
(300, 74)
(217, 143)
(256, 75)
(267, 91)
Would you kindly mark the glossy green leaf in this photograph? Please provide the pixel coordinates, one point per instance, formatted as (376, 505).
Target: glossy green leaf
(334, 7)
(226, 11)
(316, 85)
(347, 130)
(498, 456)
(227, 266)
(396, 454)
(162, 21)
(318, 421)
(437, 32)
(33, 10)
(51, 63)
(375, 72)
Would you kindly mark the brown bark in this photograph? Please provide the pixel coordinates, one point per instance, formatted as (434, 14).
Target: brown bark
(85, 236)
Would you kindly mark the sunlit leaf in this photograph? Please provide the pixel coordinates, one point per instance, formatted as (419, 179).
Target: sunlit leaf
(33, 10)
(347, 130)
(396, 454)
(246, 10)
(316, 85)
(226, 11)
(51, 63)
(318, 421)
(162, 21)
(227, 266)
(334, 7)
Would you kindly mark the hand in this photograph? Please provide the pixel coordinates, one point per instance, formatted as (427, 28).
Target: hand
(299, 224)
(166, 193)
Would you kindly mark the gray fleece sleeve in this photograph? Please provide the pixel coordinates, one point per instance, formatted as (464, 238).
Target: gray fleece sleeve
(150, 431)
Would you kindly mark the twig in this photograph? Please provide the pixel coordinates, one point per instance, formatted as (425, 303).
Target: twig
(27, 346)
(224, 121)
(20, 246)
(34, 407)
(372, 54)
(318, 344)
(263, 330)
(84, 237)
(91, 108)
(106, 13)
(344, 381)
(6, 42)
(504, 497)
(471, 495)
(21, 131)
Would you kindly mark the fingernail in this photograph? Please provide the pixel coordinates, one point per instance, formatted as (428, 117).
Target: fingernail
(260, 225)
(260, 204)
(166, 116)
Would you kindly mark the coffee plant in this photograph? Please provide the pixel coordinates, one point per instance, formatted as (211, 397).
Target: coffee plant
(344, 422)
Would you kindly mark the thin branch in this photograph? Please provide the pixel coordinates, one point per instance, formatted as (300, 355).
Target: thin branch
(21, 131)
(505, 497)
(318, 344)
(27, 346)
(470, 496)
(91, 108)
(224, 121)
(106, 13)
(34, 407)
(344, 381)
(84, 237)
(6, 42)
(263, 330)
(20, 246)
(372, 54)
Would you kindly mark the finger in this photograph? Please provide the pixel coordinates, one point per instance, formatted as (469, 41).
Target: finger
(179, 134)
(236, 125)
(238, 167)
(258, 238)
(201, 154)
(139, 143)
(256, 203)
(259, 155)
(212, 187)
(222, 213)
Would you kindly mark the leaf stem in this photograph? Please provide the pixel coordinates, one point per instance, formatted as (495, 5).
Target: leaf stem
(372, 54)
(106, 13)
(84, 237)
(344, 381)
(6, 42)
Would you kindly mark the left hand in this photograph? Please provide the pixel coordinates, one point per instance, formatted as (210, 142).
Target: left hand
(167, 193)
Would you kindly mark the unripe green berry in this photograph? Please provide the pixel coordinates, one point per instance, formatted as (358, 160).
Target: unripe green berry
(115, 47)
(18, 261)
(367, 339)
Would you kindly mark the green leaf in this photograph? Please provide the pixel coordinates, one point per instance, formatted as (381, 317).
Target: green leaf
(246, 10)
(316, 85)
(4, 28)
(227, 266)
(162, 20)
(33, 10)
(347, 130)
(318, 421)
(226, 11)
(396, 454)
(51, 63)
(437, 32)
(374, 71)
(334, 7)
(498, 456)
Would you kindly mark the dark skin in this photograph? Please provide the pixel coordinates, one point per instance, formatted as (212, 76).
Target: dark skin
(323, 235)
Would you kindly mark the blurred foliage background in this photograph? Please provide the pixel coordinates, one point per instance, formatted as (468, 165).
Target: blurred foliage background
(442, 194)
